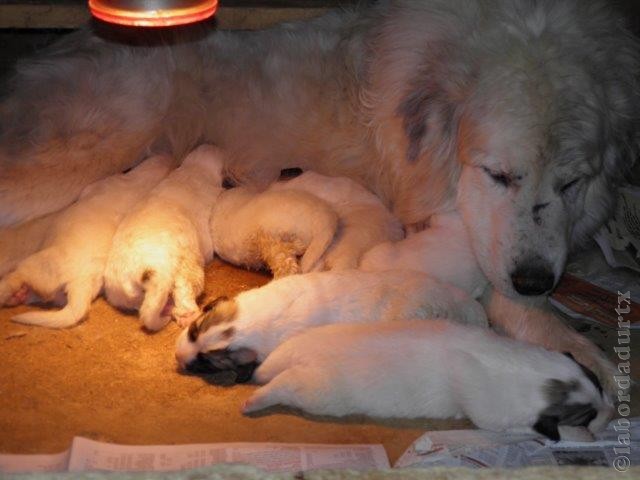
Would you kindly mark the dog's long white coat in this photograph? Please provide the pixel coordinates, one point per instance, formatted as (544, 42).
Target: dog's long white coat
(364, 220)
(75, 251)
(434, 369)
(161, 247)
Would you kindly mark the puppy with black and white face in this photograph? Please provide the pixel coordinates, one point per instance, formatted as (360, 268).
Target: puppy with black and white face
(259, 320)
(272, 229)
(160, 249)
(434, 369)
(364, 221)
(73, 247)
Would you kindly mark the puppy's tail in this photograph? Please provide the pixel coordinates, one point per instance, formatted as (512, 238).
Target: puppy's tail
(80, 293)
(157, 286)
(319, 244)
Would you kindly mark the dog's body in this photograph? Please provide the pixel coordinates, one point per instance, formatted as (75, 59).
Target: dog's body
(74, 251)
(259, 320)
(160, 249)
(423, 251)
(521, 115)
(433, 369)
(273, 229)
(364, 221)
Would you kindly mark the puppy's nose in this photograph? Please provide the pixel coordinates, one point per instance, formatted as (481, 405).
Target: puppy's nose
(533, 279)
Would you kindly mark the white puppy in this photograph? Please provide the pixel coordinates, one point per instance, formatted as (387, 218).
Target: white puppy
(364, 221)
(75, 250)
(161, 247)
(254, 323)
(433, 369)
(443, 250)
(272, 229)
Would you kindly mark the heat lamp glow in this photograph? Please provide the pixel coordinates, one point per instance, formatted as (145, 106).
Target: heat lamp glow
(152, 13)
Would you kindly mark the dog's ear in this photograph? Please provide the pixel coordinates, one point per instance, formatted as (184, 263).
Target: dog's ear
(429, 110)
(547, 425)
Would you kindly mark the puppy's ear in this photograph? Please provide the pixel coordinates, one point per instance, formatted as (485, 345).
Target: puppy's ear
(547, 425)
(212, 304)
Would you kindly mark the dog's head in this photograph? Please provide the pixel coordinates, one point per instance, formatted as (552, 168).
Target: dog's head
(573, 404)
(205, 346)
(545, 137)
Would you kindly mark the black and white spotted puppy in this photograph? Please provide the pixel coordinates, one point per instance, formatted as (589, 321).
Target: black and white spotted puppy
(251, 326)
(435, 369)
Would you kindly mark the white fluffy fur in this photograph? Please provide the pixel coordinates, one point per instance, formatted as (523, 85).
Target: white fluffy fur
(272, 229)
(522, 115)
(364, 221)
(262, 318)
(443, 251)
(433, 369)
(160, 249)
(74, 249)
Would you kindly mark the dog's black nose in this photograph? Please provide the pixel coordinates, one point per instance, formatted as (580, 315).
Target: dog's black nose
(532, 279)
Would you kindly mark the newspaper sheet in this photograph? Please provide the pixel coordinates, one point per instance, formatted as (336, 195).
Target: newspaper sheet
(483, 449)
(90, 455)
(619, 238)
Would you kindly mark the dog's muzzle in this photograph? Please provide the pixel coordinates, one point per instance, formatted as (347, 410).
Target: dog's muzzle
(533, 279)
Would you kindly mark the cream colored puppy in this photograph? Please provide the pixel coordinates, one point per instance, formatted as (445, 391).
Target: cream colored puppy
(160, 248)
(273, 229)
(75, 249)
(364, 221)
(443, 250)
(253, 324)
(434, 369)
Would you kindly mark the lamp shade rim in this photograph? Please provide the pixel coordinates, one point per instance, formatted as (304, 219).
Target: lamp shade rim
(164, 17)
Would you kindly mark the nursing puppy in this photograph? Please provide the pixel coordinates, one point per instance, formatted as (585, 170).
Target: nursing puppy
(249, 327)
(364, 221)
(272, 229)
(433, 369)
(75, 249)
(20, 241)
(160, 249)
(443, 250)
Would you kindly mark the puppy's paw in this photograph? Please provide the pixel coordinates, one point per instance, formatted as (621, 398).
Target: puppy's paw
(18, 297)
(156, 324)
(258, 401)
(184, 319)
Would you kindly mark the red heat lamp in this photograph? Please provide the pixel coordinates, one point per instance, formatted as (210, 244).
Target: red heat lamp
(152, 13)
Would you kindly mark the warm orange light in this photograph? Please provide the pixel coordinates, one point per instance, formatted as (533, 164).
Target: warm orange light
(150, 15)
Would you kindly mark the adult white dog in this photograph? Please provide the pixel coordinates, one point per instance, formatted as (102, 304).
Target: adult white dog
(522, 115)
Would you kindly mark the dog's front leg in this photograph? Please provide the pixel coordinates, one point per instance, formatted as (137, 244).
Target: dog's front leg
(531, 319)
